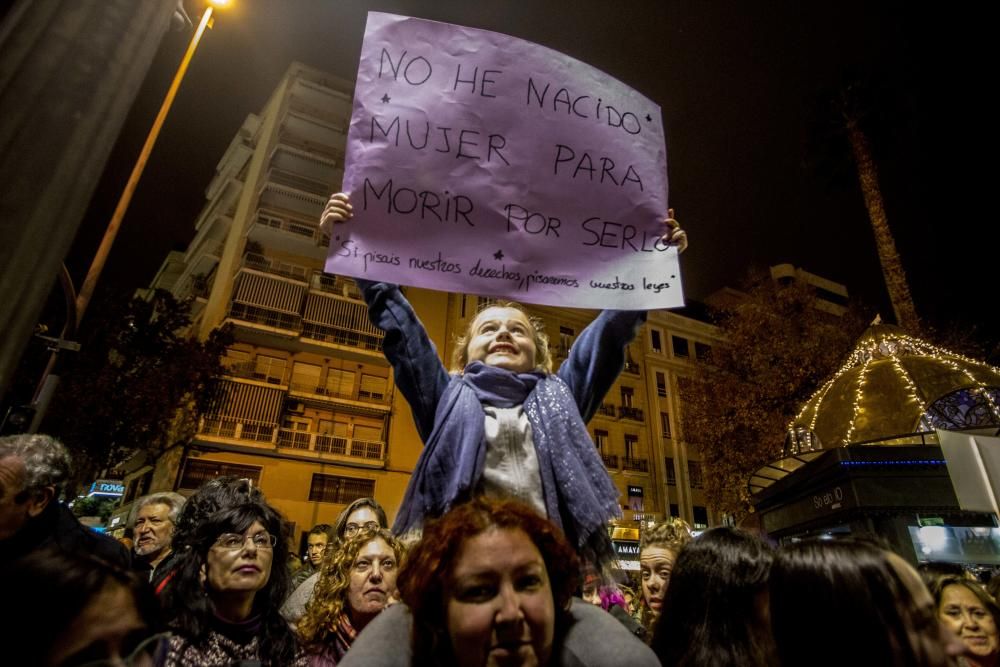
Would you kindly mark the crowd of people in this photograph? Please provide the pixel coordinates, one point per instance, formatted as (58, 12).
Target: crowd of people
(489, 582)
(499, 554)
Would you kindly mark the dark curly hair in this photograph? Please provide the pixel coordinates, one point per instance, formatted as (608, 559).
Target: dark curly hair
(329, 599)
(426, 575)
(228, 505)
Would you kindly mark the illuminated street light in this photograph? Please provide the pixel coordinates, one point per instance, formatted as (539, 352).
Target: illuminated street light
(47, 385)
(100, 258)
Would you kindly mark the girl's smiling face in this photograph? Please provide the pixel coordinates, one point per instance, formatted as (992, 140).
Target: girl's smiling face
(503, 337)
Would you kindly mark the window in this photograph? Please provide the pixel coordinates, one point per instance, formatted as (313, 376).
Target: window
(665, 424)
(694, 474)
(337, 489)
(700, 517)
(671, 477)
(631, 446)
(198, 471)
(703, 351)
(674, 509)
(340, 383)
(234, 360)
(681, 346)
(601, 440)
(655, 342)
(627, 394)
(305, 377)
(566, 336)
(373, 388)
(661, 384)
(269, 369)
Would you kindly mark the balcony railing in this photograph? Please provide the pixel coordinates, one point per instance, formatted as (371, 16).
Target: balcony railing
(359, 395)
(308, 231)
(325, 443)
(257, 262)
(338, 336)
(610, 461)
(631, 367)
(249, 370)
(607, 409)
(638, 465)
(265, 316)
(237, 428)
(339, 285)
(630, 413)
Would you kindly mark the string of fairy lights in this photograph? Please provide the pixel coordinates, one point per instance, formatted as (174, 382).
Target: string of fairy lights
(890, 345)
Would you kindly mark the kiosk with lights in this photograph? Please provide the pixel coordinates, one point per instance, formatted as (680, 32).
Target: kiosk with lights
(862, 456)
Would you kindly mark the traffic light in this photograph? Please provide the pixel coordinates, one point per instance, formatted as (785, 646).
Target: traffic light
(17, 420)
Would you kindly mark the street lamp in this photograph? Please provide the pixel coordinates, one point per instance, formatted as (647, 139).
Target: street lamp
(97, 265)
(47, 385)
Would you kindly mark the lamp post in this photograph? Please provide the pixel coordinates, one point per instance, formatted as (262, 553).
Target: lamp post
(76, 309)
(100, 258)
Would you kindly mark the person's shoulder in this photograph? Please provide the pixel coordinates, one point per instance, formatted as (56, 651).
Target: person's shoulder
(385, 641)
(596, 638)
(71, 535)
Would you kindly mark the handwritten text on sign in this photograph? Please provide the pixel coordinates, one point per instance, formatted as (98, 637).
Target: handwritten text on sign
(477, 162)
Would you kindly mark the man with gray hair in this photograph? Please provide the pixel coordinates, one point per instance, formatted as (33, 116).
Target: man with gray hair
(34, 469)
(155, 518)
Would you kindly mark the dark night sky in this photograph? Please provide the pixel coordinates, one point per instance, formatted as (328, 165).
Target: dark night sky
(738, 83)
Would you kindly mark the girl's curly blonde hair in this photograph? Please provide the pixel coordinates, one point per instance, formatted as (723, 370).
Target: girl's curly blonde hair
(543, 358)
(329, 598)
(671, 533)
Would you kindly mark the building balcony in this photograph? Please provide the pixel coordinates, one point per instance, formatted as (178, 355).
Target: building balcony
(626, 412)
(631, 367)
(249, 370)
(272, 229)
(333, 284)
(635, 465)
(607, 409)
(235, 428)
(267, 317)
(331, 318)
(325, 443)
(313, 392)
(277, 196)
(610, 461)
(258, 262)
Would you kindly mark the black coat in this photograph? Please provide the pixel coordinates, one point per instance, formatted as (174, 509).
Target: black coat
(57, 527)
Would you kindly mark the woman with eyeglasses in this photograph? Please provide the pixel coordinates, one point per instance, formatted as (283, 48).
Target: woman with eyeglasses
(361, 514)
(229, 581)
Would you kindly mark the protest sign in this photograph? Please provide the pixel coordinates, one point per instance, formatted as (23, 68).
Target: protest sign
(481, 163)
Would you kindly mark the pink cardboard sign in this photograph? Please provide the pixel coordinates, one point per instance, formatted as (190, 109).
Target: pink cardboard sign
(482, 163)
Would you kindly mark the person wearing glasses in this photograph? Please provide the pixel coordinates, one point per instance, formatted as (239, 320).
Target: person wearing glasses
(357, 582)
(230, 578)
(360, 514)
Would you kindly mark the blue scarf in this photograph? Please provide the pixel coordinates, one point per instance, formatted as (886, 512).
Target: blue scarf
(579, 496)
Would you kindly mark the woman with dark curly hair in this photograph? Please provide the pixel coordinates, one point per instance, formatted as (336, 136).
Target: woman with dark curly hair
(491, 582)
(714, 613)
(229, 580)
(355, 585)
(972, 615)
